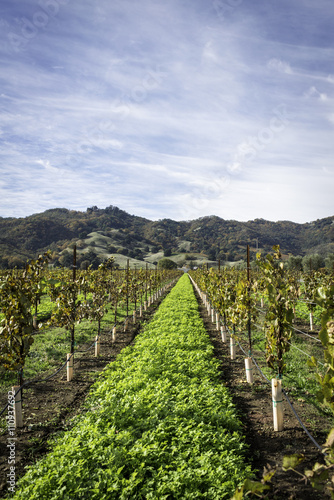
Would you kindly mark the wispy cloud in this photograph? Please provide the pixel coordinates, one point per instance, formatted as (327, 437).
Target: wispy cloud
(167, 109)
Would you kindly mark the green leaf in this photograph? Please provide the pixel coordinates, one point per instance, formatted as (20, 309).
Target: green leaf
(291, 461)
(330, 439)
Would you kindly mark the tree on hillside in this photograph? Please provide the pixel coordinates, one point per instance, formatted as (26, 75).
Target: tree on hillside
(312, 262)
(66, 259)
(123, 251)
(212, 254)
(167, 264)
(329, 261)
(295, 263)
(189, 257)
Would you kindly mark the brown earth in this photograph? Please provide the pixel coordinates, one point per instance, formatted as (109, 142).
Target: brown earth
(267, 447)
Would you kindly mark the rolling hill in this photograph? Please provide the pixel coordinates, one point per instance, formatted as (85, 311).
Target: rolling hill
(100, 233)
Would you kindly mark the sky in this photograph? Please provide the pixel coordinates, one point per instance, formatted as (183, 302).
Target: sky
(168, 108)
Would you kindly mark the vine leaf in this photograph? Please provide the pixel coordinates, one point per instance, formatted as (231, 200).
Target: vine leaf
(291, 461)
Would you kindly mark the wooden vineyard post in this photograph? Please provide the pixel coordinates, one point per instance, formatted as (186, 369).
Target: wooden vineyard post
(74, 267)
(74, 277)
(217, 321)
(127, 287)
(126, 324)
(18, 407)
(223, 333)
(213, 320)
(141, 311)
(155, 284)
(276, 386)
(249, 320)
(248, 361)
(97, 346)
(69, 366)
(146, 279)
(232, 348)
(249, 370)
(113, 336)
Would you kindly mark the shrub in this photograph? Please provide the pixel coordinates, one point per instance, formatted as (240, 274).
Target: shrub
(167, 264)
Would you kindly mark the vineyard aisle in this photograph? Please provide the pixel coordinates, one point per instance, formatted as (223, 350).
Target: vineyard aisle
(158, 423)
(48, 407)
(254, 404)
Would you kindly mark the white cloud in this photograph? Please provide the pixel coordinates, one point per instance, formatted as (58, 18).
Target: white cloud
(278, 65)
(163, 108)
(314, 92)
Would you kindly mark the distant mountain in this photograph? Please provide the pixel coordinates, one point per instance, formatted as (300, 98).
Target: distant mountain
(99, 233)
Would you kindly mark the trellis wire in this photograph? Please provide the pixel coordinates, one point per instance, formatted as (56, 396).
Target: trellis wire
(284, 392)
(30, 382)
(307, 334)
(303, 352)
(289, 402)
(301, 423)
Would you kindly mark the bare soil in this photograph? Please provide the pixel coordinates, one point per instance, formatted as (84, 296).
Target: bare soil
(267, 447)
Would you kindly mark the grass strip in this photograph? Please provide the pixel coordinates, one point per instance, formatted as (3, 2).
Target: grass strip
(158, 424)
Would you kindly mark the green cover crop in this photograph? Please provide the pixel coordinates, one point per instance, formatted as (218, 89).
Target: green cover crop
(159, 423)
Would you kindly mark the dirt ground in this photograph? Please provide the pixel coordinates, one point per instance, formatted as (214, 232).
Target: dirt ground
(49, 407)
(267, 448)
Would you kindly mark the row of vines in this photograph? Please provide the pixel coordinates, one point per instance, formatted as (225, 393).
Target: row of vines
(270, 296)
(158, 423)
(66, 298)
(158, 413)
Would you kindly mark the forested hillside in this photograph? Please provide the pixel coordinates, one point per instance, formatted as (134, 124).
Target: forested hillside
(99, 233)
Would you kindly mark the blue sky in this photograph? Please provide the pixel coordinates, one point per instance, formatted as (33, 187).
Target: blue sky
(176, 109)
